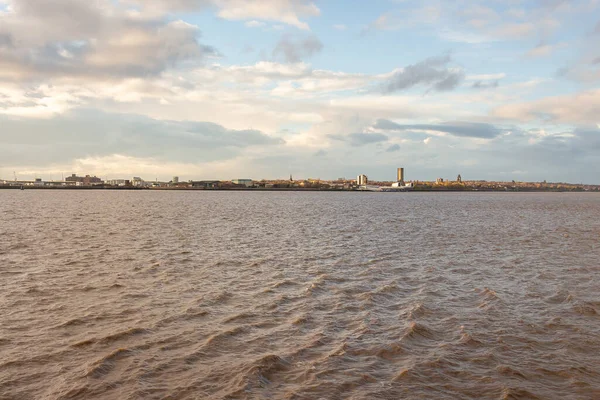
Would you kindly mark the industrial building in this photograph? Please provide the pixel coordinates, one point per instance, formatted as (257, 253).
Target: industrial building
(118, 182)
(245, 182)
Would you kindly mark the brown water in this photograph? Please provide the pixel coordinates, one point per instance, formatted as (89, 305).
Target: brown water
(210, 295)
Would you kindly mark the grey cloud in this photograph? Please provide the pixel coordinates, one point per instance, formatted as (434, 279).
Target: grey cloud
(92, 133)
(563, 71)
(386, 124)
(320, 153)
(393, 148)
(75, 38)
(596, 61)
(485, 85)
(456, 128)
(6, 40)
(432, 71)
(360, 139)
(292, 50)
(588, 138)
(57, 19)
(247, 49)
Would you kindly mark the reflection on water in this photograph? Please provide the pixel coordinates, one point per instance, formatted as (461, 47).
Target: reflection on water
(208, 295)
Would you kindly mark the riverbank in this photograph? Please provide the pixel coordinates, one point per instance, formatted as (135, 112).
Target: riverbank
(292, 189)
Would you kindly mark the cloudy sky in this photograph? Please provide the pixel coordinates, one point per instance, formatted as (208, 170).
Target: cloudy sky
(222, 89)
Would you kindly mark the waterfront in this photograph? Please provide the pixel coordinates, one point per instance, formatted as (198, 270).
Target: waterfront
(298, 295)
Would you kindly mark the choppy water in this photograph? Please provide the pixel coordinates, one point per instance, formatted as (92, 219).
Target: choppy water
(210, 295)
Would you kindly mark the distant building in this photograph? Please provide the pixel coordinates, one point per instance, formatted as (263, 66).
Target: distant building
(83, 180)
(139, 182)
(459, 179)
(175, 179)
(204, 184)
(245, 182)
(439, 181)
(118, 182)
(403, 185)
(362, 180)
(400, 175)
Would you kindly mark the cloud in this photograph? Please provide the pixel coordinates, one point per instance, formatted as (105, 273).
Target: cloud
(87, 133)
(406, 18)
(514, 30)
(431, 72)
(254, 24)
(485, 85)
(393, 148)
(6, 40)
(293, 50)
(360, 139)
(579, 108)
(92, 39)
(455, 128)
(467, 22)
(543, 49)
(340, 27)
(486, 77)
(285, 11)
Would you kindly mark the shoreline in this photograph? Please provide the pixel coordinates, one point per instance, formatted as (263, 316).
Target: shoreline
(259, 189)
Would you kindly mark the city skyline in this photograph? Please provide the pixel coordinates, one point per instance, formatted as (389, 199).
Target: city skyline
(225, 89)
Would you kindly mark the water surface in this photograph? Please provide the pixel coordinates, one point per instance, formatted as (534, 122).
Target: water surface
(210, 295)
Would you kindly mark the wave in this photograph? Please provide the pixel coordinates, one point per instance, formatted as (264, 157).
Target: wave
(389, 352)
(258, 374)
(218, 338)
(518, 394)
(105, 364)
(468, 340)
(506, 370)
(417, 310)
(241, 317)
(585, 308)
(416, 330)
(72, 322)
(284, 283)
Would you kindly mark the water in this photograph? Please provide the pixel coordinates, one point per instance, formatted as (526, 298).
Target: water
(210, 295)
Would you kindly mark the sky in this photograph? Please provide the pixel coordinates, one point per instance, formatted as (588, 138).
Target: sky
(224, 89)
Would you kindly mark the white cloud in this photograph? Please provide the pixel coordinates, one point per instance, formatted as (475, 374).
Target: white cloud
(486, 77)
(580, 108)
(544, 49)
(254, 24)
(286, 11)
(94, 39)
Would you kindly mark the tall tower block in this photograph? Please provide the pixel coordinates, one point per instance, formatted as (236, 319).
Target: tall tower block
(400, 174)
